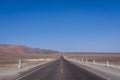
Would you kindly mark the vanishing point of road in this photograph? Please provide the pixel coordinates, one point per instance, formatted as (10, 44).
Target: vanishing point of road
(61, 69)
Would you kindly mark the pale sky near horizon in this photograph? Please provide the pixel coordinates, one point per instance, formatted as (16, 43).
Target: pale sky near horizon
(64, 25)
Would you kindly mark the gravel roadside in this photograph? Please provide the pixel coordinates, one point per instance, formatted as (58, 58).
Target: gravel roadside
(105, 72)
(13, 72)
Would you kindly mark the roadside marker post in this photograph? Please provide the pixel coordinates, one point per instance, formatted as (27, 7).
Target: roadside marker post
(107, 64)
(86, 61)
(82, 60)
(19, 65)
(94, 62)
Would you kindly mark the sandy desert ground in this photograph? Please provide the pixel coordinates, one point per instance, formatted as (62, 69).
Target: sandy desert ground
(113, 58)
(11, 60)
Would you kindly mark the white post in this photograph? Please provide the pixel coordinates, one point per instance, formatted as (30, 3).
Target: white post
(86, 60)
(94, 62)
(82, 59)
(107, 64)
(19, 65)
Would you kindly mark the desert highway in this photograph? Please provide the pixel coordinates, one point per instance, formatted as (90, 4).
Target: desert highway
(60, 69)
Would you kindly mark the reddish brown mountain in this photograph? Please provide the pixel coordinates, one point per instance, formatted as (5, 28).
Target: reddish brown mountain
(18, 49)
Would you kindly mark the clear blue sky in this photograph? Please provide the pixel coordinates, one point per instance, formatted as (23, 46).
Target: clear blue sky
(64, 25)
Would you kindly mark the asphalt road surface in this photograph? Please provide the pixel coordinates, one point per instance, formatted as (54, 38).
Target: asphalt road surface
(60, 69)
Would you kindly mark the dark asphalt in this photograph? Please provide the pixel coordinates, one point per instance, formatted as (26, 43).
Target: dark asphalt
(60, 69)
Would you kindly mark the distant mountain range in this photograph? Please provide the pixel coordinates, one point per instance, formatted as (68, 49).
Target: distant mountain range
(19, 49)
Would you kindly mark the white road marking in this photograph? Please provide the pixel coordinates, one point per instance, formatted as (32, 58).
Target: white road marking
(93, 72)
(30, 72)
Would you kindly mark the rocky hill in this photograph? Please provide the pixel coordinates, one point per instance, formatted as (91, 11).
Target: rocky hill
(18, 49)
